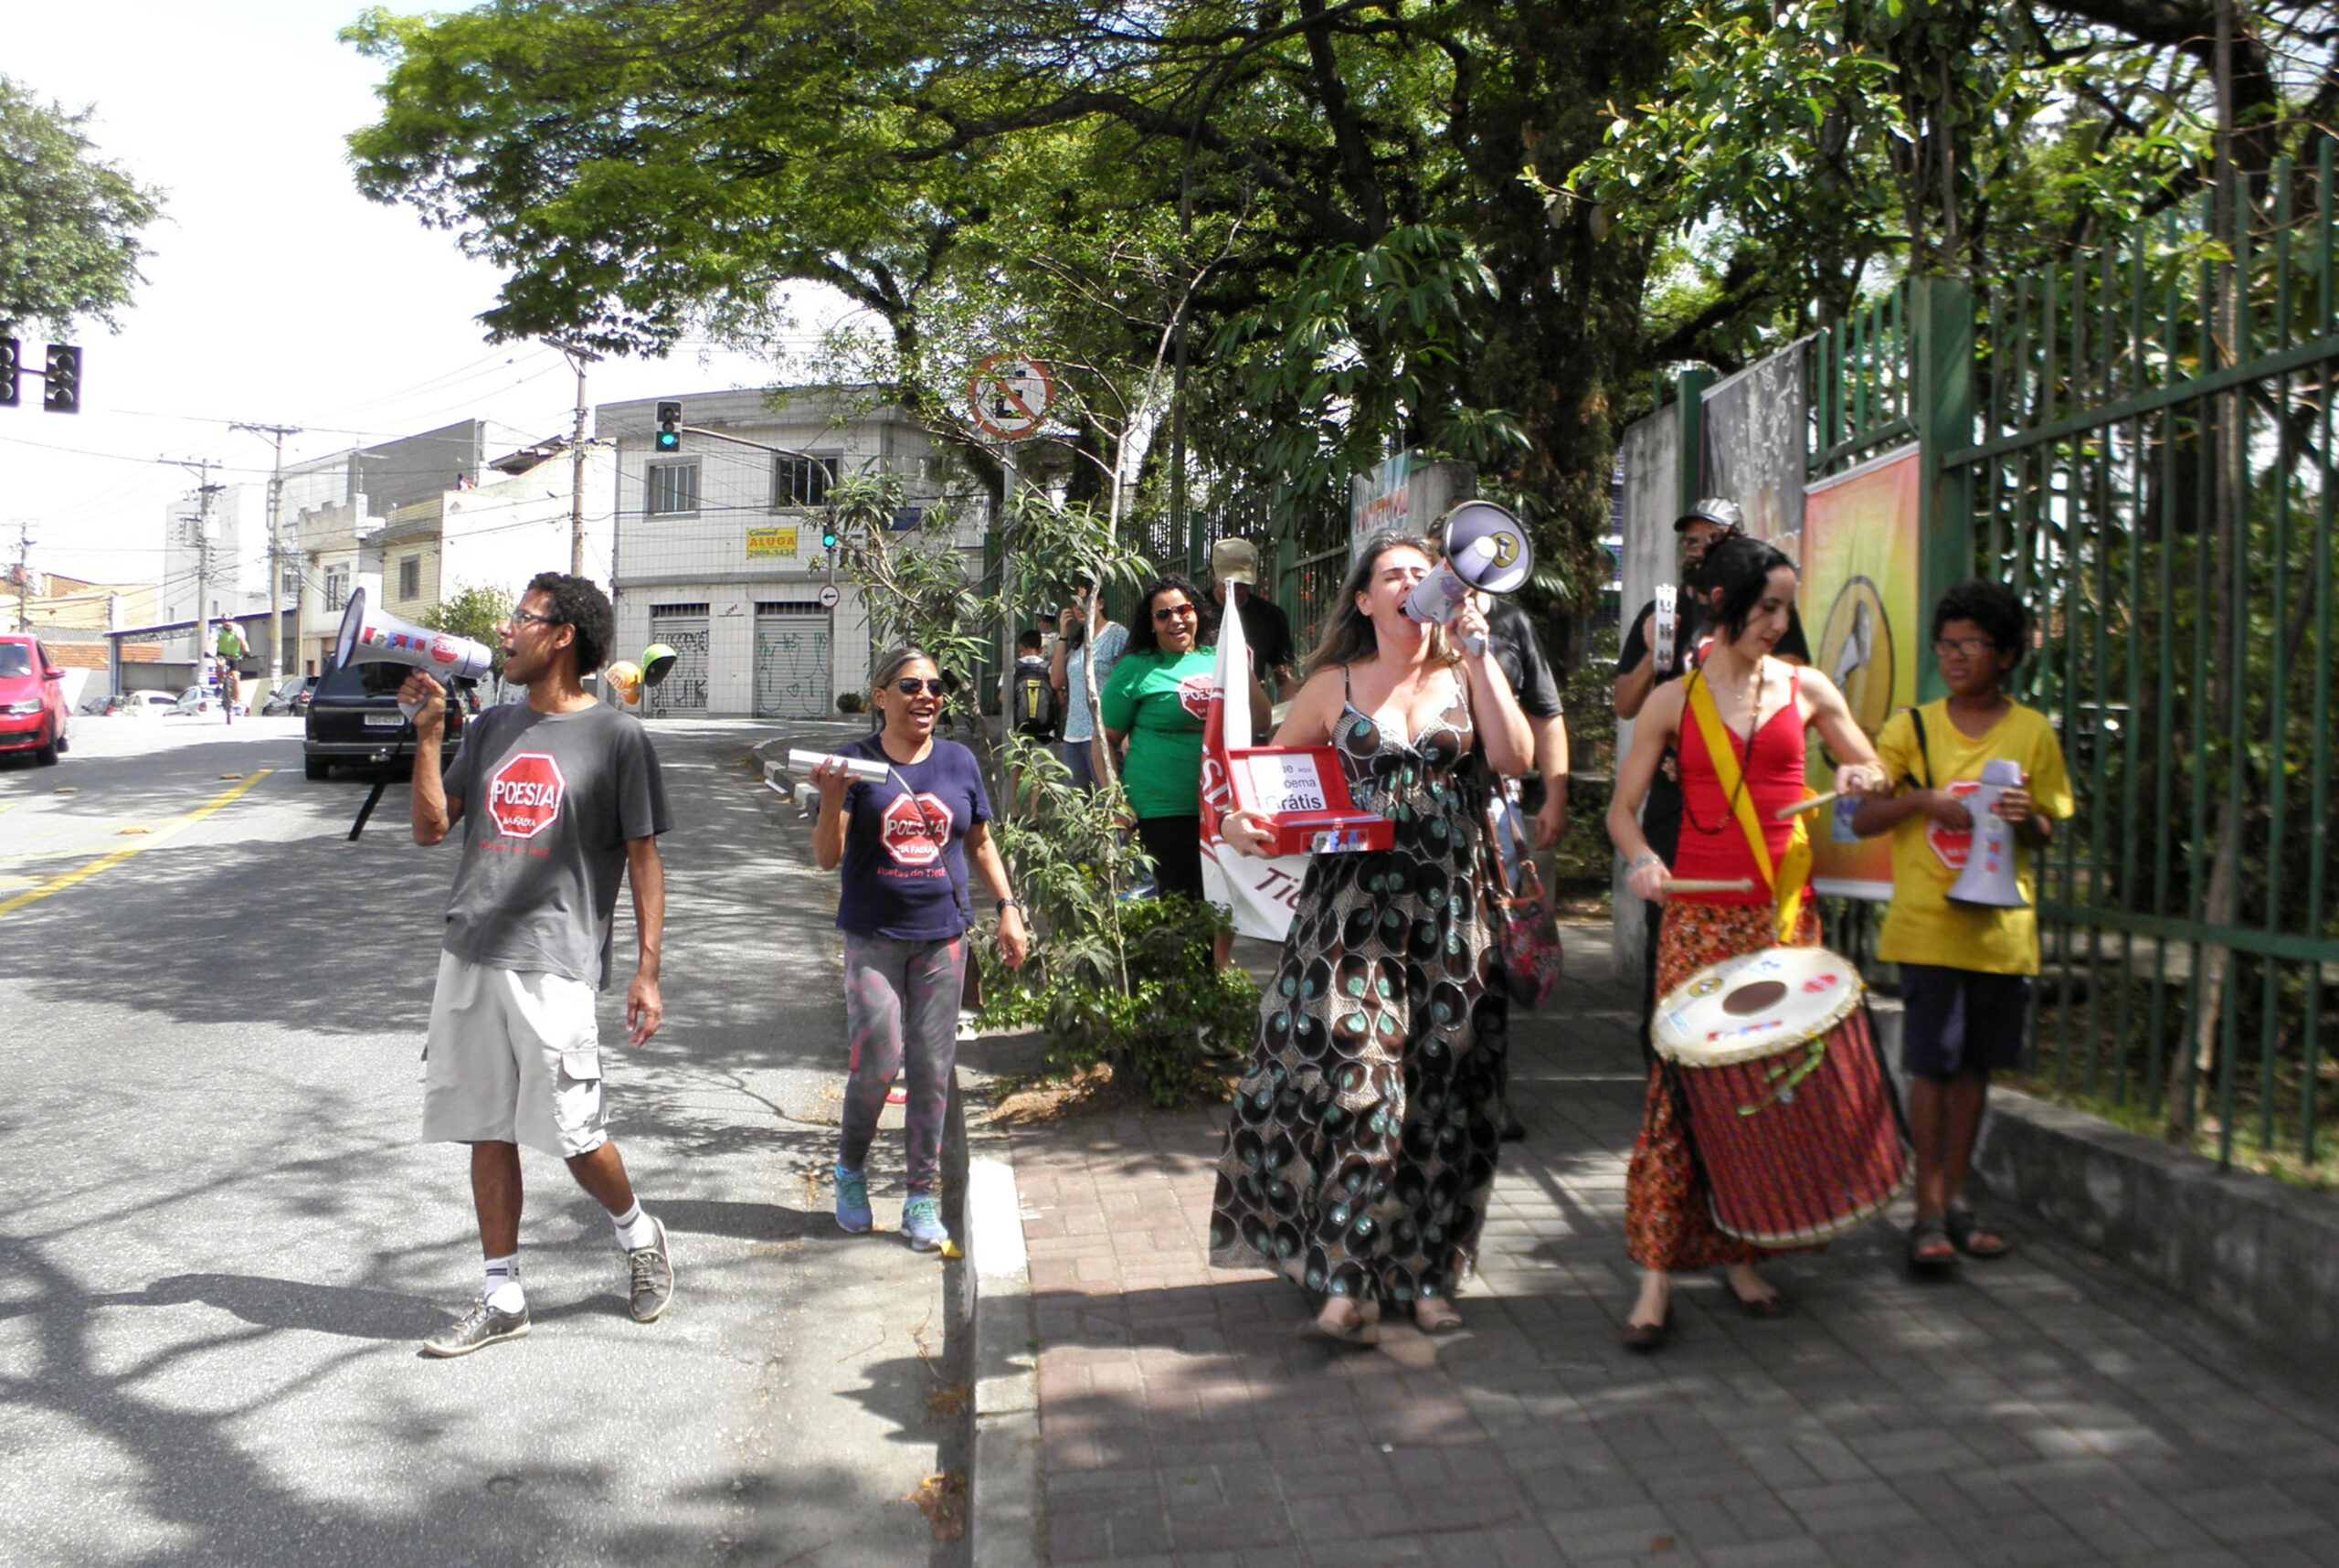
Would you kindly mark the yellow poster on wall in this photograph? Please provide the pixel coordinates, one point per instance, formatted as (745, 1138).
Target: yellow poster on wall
(764, 544)
(1861, 565)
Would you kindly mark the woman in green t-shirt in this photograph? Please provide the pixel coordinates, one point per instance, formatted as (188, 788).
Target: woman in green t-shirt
(1154, 705)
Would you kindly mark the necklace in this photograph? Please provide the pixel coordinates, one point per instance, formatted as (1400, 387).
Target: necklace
(1745, 767)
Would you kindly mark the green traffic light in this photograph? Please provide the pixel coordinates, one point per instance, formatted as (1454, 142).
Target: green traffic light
(670, 440)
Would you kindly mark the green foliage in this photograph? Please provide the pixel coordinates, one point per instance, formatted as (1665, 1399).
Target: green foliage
(70, 219)
(915, 586)
(476, 612)
(1355, 361)
(1112, 980)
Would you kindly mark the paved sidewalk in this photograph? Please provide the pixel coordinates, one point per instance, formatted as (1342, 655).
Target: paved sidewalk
(2047, 1409)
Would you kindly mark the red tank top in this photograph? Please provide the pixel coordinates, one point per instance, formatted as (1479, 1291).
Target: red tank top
(1714, 846)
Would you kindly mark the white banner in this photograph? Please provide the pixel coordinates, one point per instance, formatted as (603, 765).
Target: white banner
(1260, 894)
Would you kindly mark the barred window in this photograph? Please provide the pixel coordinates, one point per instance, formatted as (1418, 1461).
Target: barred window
(673, 487)
(411, 577)
(802, 481)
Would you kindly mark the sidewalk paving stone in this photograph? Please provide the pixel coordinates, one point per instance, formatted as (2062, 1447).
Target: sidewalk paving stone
(2049, 1409)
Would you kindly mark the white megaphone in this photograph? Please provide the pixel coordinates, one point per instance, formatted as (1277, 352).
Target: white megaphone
(1486, 549)
(376, 637)
(1988, 880)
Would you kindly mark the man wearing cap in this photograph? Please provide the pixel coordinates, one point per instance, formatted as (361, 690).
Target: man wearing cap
(1266, 630)
(1706, 524)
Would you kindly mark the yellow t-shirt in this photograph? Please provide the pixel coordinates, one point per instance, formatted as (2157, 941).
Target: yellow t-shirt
(1922, 926)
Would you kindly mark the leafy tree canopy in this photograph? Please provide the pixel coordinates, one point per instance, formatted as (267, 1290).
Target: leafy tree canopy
(1071, 177)
(68, 221)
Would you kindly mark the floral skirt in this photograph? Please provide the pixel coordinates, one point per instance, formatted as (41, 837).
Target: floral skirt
(1668, 1211)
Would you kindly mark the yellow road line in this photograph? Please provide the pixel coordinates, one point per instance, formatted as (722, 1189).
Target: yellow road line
(107, 863)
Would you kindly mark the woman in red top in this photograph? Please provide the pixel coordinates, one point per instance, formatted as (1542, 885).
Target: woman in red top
(1669, 1220)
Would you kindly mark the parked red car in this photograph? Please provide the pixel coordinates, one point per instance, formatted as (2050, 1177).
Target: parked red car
(32, 699)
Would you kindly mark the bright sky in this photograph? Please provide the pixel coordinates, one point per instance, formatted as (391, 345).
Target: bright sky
(276, 293)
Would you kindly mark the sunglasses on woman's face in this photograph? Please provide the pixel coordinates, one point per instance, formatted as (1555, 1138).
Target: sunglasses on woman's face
(911, 686)
(1172, 611)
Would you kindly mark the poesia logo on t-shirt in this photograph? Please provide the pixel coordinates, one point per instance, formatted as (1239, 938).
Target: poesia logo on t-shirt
(915, 837)
(1193, 692)
(524, 795)
(1950, 843)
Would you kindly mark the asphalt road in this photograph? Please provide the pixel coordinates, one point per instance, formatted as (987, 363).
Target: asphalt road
(221, 1240)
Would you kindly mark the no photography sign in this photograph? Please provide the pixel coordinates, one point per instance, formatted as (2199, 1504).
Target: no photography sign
(1010, 396)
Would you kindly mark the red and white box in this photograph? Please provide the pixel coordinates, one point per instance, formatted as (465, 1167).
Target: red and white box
(1304, 795)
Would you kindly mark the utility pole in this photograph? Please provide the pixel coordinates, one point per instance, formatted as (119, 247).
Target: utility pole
(24, 576)
(276, 553)
(578, 358)
(205, 490)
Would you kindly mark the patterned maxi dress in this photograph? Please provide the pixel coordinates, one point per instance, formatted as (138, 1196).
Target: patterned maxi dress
(1360, 1148)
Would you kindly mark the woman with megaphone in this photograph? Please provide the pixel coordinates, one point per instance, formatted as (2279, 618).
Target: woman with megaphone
(1361, 1147)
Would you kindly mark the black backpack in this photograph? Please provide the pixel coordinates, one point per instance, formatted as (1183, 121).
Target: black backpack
(1035, 700)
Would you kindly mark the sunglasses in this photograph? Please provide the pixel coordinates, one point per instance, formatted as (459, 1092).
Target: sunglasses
(1972, 647)
(913, 685)
(1172, 611)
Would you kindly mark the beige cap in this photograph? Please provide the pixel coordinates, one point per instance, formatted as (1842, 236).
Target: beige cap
(1236, 561)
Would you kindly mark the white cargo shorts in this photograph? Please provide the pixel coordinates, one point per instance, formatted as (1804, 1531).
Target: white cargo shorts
(514, 1056)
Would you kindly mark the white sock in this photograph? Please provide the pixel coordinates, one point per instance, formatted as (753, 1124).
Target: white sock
(503, 1292)
(635, 1229)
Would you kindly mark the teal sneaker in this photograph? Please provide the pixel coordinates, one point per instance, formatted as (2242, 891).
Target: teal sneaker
(921, 1225)
(853, 1202)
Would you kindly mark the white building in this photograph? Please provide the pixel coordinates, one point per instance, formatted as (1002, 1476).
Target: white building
(224, 550)
(718, 547)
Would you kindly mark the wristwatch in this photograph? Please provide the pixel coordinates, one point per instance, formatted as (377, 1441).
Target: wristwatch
(1007, 903)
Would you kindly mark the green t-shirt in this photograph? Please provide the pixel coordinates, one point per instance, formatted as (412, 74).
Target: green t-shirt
(231, 642)
(1159, 702)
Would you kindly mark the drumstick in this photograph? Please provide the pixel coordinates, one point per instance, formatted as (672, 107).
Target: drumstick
(1735, 884)
(1800, 807)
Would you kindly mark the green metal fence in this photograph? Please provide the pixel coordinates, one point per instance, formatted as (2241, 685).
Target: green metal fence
(2139, 441)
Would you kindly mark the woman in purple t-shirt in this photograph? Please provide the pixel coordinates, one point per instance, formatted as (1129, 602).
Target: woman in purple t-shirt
(904, 844)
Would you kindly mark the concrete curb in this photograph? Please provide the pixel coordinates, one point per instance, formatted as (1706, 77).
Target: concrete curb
(1003, 1514)
(2260, 1257)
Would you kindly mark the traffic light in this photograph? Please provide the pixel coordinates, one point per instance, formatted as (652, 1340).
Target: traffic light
(12, 366)
(670, 427)
(829, 534)
(62, 384)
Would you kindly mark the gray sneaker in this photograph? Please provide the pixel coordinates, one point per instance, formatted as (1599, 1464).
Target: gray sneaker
(652, 1272)
(482, 1325)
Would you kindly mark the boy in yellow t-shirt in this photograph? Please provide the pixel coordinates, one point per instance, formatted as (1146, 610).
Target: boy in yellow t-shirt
(1965, 972)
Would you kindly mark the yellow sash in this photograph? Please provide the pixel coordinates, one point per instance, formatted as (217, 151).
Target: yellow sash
(1787, 881)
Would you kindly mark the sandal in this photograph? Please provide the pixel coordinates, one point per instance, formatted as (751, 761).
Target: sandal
(1967, 1234)
(1930, 1247)
(1360, 1331)
(1435, 1314)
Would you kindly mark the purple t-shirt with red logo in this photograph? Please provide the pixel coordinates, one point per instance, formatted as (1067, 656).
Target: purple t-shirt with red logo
(904, 852)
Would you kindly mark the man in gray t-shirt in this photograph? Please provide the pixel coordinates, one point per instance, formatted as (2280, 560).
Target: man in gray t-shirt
(559, 801)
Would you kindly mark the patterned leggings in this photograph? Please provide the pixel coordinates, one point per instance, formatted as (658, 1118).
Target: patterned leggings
(901, 1001)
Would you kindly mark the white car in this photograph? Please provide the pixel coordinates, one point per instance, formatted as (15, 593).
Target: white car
(150, 703)
(202, 700)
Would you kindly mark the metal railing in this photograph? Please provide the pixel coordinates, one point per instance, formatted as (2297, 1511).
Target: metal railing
(2147, 459)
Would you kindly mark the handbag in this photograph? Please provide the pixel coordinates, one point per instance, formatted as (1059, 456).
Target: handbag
(1528, 934)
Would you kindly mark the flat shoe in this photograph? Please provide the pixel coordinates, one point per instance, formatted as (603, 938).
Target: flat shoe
(1647, 1337)
(1967, 1236)
(1355, 1332)
(1763, 1306)
(1435, 1314)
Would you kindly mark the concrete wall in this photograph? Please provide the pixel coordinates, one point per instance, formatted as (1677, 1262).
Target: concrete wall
(1650, 456)
(503, 533)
